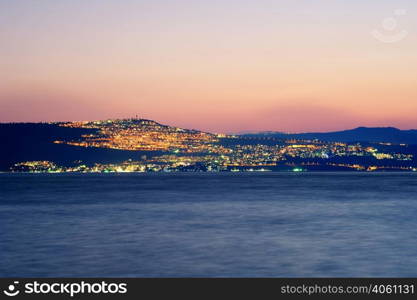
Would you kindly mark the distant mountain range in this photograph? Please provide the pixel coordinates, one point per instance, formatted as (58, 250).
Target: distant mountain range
(360, 134)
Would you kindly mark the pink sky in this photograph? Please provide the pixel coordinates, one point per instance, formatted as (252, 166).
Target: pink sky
(227, 66)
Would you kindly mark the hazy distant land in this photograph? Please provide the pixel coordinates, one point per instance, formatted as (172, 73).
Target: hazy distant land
(139, 145)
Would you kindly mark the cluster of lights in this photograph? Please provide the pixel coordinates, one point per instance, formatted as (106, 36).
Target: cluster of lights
(142, 135)
(195, 150)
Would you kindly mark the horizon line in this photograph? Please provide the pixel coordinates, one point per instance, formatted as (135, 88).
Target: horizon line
(243, 132)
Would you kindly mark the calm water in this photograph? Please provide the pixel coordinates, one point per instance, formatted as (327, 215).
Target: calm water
(274, 224)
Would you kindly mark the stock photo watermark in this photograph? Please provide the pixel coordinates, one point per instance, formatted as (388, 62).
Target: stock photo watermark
(12, 290)
(64, 288)
(391, 31)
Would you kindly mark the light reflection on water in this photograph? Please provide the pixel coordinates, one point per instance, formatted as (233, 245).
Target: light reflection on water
(147, 225)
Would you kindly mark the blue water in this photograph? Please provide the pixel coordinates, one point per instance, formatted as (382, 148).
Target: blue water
(150, 225)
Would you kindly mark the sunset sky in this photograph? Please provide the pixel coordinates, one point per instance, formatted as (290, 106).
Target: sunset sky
(218, 65)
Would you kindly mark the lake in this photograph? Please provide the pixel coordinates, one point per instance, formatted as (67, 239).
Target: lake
(208, 225)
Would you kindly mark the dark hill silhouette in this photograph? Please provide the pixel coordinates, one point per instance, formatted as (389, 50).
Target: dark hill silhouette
(360, 134)
(34, 141)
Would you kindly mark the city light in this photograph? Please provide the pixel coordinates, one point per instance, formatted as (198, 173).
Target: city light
(170, 149)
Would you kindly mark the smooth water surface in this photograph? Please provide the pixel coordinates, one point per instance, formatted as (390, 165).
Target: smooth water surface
(165, 225)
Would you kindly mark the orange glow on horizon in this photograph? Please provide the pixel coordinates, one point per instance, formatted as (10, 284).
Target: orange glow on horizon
(234, 67)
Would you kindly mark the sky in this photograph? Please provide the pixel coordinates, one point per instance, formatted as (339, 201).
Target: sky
(220, 65)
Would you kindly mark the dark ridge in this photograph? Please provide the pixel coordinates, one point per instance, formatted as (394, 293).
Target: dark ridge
(360, 134)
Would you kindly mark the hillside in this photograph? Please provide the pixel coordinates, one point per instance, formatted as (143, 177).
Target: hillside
(360, 134)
